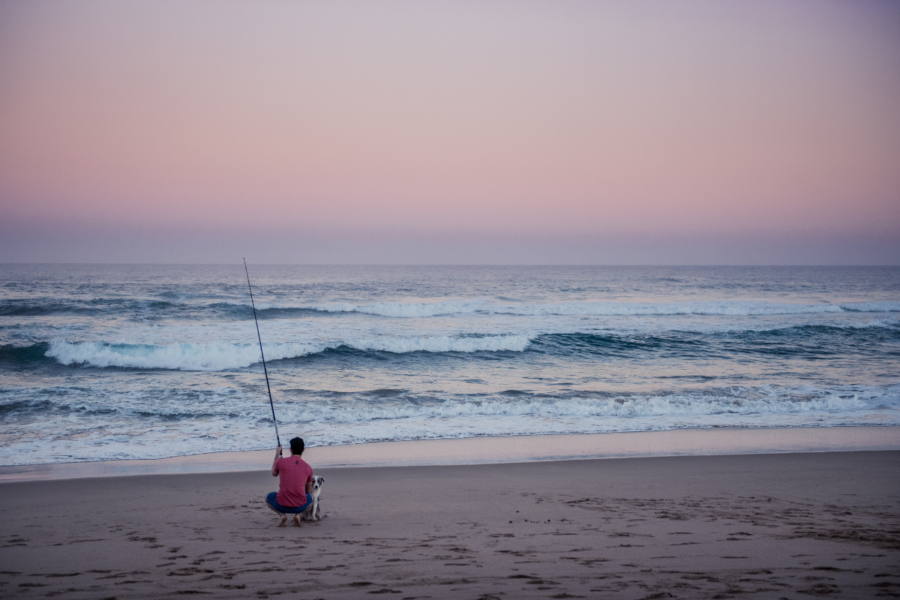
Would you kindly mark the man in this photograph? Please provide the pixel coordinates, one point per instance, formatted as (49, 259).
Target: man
(294, 484)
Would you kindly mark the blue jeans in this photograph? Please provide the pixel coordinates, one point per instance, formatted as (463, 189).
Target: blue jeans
(271, 501)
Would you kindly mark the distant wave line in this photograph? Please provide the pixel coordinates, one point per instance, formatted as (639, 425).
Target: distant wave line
(28, 307)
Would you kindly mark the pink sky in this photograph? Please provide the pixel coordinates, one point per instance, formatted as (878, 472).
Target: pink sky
(448, 132)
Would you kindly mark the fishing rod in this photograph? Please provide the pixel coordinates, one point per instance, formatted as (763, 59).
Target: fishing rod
(259, 337)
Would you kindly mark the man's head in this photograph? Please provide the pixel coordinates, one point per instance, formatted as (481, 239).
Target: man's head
(297, 446)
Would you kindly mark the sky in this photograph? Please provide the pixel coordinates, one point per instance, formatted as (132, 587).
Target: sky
(450, 132)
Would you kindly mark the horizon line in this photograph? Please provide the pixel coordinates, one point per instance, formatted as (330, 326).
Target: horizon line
(620, 265)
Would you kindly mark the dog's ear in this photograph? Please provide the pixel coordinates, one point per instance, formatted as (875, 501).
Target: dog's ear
(322, 479)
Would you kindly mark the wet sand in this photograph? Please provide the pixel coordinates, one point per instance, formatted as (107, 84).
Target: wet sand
(494, 450)
(746, 526)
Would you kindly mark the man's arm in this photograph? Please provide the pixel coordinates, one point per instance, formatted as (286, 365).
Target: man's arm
(309, 485)
(274, 462)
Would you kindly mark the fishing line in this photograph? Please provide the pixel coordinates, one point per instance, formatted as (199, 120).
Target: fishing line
(259, 337)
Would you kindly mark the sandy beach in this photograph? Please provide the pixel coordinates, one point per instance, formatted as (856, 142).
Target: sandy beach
(752, 526)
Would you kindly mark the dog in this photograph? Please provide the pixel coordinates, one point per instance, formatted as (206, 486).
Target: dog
(314, 512)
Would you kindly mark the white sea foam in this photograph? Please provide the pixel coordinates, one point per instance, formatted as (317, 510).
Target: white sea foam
(112, 426)
(614, 350)
(185, 356)
(623, 407)
(224, 356)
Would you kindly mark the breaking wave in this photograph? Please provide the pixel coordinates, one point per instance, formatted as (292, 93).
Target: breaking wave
(804, 341)
(223, 356)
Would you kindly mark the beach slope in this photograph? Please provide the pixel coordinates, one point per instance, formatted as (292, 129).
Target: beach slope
(766, 526)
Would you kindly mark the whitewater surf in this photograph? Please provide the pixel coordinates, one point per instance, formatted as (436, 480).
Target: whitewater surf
(113, 362)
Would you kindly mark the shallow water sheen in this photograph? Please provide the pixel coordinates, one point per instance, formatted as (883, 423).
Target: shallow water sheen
(123, 362)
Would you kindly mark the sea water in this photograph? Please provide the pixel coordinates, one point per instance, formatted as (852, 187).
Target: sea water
(107, 362)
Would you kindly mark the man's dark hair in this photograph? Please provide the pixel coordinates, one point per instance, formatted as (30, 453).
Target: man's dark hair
(297, 446)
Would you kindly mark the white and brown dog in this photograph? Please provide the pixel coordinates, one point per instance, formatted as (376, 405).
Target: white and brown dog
(314, 512)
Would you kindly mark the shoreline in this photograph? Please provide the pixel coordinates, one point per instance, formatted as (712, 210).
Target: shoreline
(494, 450)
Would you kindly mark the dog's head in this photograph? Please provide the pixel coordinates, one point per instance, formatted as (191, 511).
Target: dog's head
(318, 482)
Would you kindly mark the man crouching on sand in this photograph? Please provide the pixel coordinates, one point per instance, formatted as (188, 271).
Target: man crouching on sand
(294, 484)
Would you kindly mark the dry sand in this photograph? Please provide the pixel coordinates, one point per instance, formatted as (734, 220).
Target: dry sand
(752, 526)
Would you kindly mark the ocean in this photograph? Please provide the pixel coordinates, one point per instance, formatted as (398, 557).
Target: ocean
(112, 362)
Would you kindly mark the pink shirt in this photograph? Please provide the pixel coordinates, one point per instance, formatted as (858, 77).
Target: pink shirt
(293, 474)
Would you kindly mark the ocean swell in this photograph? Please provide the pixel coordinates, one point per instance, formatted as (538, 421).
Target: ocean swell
(723, 308)
(158, 309)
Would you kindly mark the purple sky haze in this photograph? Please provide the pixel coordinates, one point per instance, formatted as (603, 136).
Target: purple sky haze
(488, 132)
